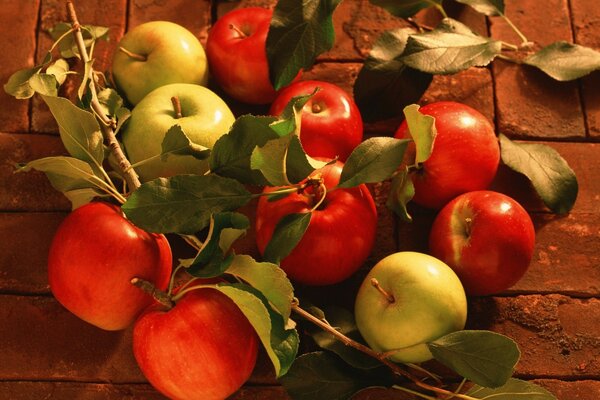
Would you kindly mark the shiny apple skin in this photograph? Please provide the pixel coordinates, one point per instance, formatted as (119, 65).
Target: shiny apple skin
(339, 238)
(203, 348)
(93, 257)
(331, 122)
(487, 238)
(465, 156)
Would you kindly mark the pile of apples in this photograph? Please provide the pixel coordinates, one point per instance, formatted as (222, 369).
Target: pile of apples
(201, 346)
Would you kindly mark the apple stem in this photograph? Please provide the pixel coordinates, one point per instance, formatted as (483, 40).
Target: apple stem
(237, 30)
(149, 288)
(316, 108)
(133, 55)
(176, 107)
(388, 296)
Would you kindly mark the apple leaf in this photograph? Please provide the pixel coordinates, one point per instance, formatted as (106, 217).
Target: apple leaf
(491, 8)
(268, 278)
(112, 103)
(80, 197)
(450, 48)
(374, 160)
(18, 83)
(212, 259)
(551, 177)
(79, 130)
(514, 389)
(60, 70)
(422, 129)
(483, 357)
(67, 45)
(231, 154)
(385, 85)
(288, 233)
(565, 61)
(177, 142)
(281, 344)
(183, 203)
(343, 321)
(406, 8)
(300, 30)
(45, 84)
(270, 160)
(402, 191)
(324, 376)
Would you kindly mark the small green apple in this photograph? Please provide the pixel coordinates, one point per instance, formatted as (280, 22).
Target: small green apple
(407, 300)
(155, 54)
(204, 118)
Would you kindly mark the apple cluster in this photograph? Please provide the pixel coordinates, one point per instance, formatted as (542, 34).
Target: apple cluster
(202, 346)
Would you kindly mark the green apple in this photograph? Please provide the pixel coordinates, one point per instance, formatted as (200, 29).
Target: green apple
(204, 118)
(155, 54)
(407, 300)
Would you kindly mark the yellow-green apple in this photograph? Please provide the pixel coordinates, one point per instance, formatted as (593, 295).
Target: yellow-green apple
(155, 54)
(407, 300)
(339, 237)
(202, 348)
(93, 257)
(465, 154)
(487, 238)
(237, 55)
(331, 123)
(204, 118)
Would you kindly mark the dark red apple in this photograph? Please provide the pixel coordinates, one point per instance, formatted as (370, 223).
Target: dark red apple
(93, 257)
(487, 238)
(465, 154)
(203, 348)
(338, 239)
(331, 122)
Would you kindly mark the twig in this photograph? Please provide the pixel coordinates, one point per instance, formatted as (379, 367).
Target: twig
(106, 124)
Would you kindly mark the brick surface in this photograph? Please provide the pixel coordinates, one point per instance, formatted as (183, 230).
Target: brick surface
(531, 104)
(18, 21)
(31, 190)
(88, 13)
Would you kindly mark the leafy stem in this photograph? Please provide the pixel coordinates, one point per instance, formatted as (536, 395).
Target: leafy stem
(523, 38)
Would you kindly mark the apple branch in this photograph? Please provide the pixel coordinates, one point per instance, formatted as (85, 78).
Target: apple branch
(149, 288)
(107, 125)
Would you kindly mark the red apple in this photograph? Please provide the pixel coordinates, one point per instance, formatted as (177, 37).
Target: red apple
(237, 55)
(465, 154)
(93, 257)
(203, 348)
(338, 239)
(487, 238)
(331, 122)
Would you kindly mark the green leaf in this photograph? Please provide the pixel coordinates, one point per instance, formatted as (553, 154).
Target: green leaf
(80, 197)
(401, 192)
(483, 357)
(491, 8)
(111, 102)
(300, 30)
(270, 160)
(177, 142)
(288, 233)
(268, 278)
(324, 376)
(552, 178)
(300, 165)
(60, 70)
(343, 321)
(385, 85)
(450, 48)
(183, 203)
(565, 61)
(18, 83)
(68, 46)
(231, 154)
(422, 129)
(514, 389)
(406, 8)
(224, 229)
(45, 84)
(374, 160)
(79, 130)
(280, 344)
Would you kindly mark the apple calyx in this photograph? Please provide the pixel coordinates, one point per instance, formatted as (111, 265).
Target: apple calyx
(176, 107)
(157, 294)
(316, 108)
(133, 55)
(388, 296)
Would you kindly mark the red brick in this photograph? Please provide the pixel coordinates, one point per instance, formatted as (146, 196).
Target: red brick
(29, 191)
(88, 13)
(531, 104)
(18, 21)
(586, 20)
(577, 390)
(74, 390)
